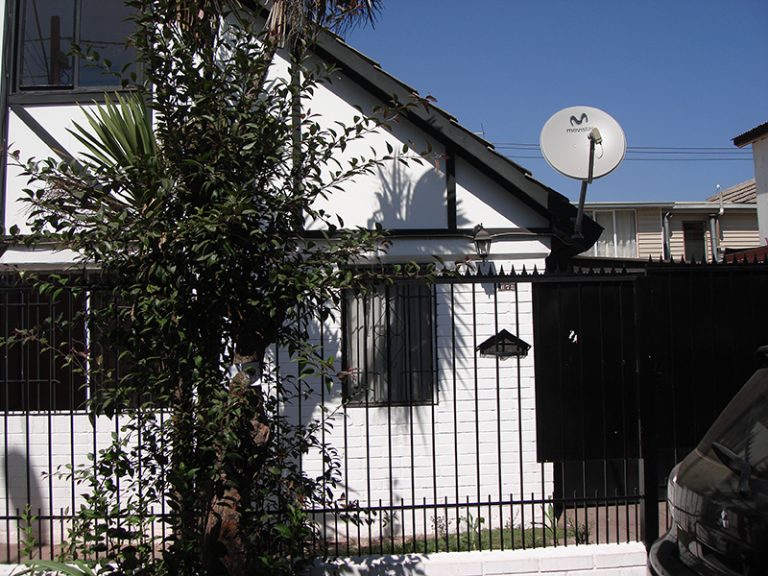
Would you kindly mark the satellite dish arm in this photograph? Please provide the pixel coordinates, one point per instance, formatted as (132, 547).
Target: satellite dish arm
(594, 138)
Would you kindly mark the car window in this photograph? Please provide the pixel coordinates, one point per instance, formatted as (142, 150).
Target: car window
(743, 426)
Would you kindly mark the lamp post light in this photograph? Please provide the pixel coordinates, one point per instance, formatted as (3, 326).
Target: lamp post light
(482, 241)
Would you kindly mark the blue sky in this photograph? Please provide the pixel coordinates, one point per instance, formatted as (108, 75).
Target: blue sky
(675, 74)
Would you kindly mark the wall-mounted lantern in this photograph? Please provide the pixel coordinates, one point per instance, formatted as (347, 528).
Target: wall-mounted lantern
(482, 241)
(504, 345)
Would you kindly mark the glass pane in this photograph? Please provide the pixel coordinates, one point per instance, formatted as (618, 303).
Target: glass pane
(420, 343)
(626, 243)
(388, 345)
(104, 30)
(33, 376)
(410, 370)
(365, 346)
(604, 245)
(46, 43)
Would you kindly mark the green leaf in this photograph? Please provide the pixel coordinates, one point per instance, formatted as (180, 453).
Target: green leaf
(71, 568)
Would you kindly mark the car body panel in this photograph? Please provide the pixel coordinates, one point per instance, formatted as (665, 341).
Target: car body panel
(718, 495)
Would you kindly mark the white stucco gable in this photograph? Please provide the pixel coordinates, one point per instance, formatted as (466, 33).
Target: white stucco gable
(412, 194)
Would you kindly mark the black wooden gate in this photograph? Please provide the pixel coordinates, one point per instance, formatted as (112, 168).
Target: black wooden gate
(633, 368)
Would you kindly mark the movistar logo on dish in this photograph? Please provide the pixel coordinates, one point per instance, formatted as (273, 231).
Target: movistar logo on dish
(576, 123)
(580, 120)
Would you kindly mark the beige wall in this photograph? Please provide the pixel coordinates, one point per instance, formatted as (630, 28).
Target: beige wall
(650, 240)
(739, 231)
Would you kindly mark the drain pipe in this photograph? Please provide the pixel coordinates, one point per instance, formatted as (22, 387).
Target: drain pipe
(713, 237)
(667, 248)
(713, 220)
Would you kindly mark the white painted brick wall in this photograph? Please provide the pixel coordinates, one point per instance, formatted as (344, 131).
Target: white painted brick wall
(40, 447)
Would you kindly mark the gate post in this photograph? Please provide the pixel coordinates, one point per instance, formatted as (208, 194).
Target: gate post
(646, 417)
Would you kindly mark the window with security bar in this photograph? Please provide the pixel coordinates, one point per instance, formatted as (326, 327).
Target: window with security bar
(39, 372)
(388, 345)
(55, 355)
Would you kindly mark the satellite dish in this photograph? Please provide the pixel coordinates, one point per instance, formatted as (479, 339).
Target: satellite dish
(566, 139)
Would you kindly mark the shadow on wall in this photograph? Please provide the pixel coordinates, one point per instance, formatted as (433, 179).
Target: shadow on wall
(403, 565)
(24, 495)
(404, 203)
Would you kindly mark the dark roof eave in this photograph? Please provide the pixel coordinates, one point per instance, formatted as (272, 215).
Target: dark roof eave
(751, 135)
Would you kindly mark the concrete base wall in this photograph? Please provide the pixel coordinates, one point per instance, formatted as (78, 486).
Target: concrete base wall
(601, 559)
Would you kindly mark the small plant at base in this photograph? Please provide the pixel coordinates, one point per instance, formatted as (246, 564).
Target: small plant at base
(580, 531)
(512, 523)
(441, 525)
(28, 540)
(549, 523)
(474, 525)
(389, 524)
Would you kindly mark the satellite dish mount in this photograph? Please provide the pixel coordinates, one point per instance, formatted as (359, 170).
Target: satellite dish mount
(594, 138)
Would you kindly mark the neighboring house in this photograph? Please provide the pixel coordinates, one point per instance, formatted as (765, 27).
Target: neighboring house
(679, 230)
(757, 137)
(437, 410)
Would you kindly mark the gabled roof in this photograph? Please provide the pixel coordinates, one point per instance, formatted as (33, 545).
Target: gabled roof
(477, 151)
(742, 193)
(751, 135)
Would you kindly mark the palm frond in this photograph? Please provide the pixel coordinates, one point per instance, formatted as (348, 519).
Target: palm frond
(290, 19)
(119, 132)
(119, 139)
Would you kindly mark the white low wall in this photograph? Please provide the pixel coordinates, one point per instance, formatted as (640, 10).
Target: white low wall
(601, 559)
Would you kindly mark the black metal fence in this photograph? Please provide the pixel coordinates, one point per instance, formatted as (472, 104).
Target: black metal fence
(473, 447)
(461, 470)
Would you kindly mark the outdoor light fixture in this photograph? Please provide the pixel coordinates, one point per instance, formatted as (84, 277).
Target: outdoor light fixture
(482, 241)
(504, 345)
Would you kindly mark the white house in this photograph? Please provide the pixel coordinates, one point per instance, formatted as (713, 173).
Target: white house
(757, 137)
(454, 440)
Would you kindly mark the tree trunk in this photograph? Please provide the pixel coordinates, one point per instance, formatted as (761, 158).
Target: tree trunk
(225, 549)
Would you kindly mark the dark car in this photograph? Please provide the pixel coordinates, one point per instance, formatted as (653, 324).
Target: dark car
(718, 495)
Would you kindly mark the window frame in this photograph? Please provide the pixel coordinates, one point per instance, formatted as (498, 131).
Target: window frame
(614, 241)
(52, 94)
(351, 391)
